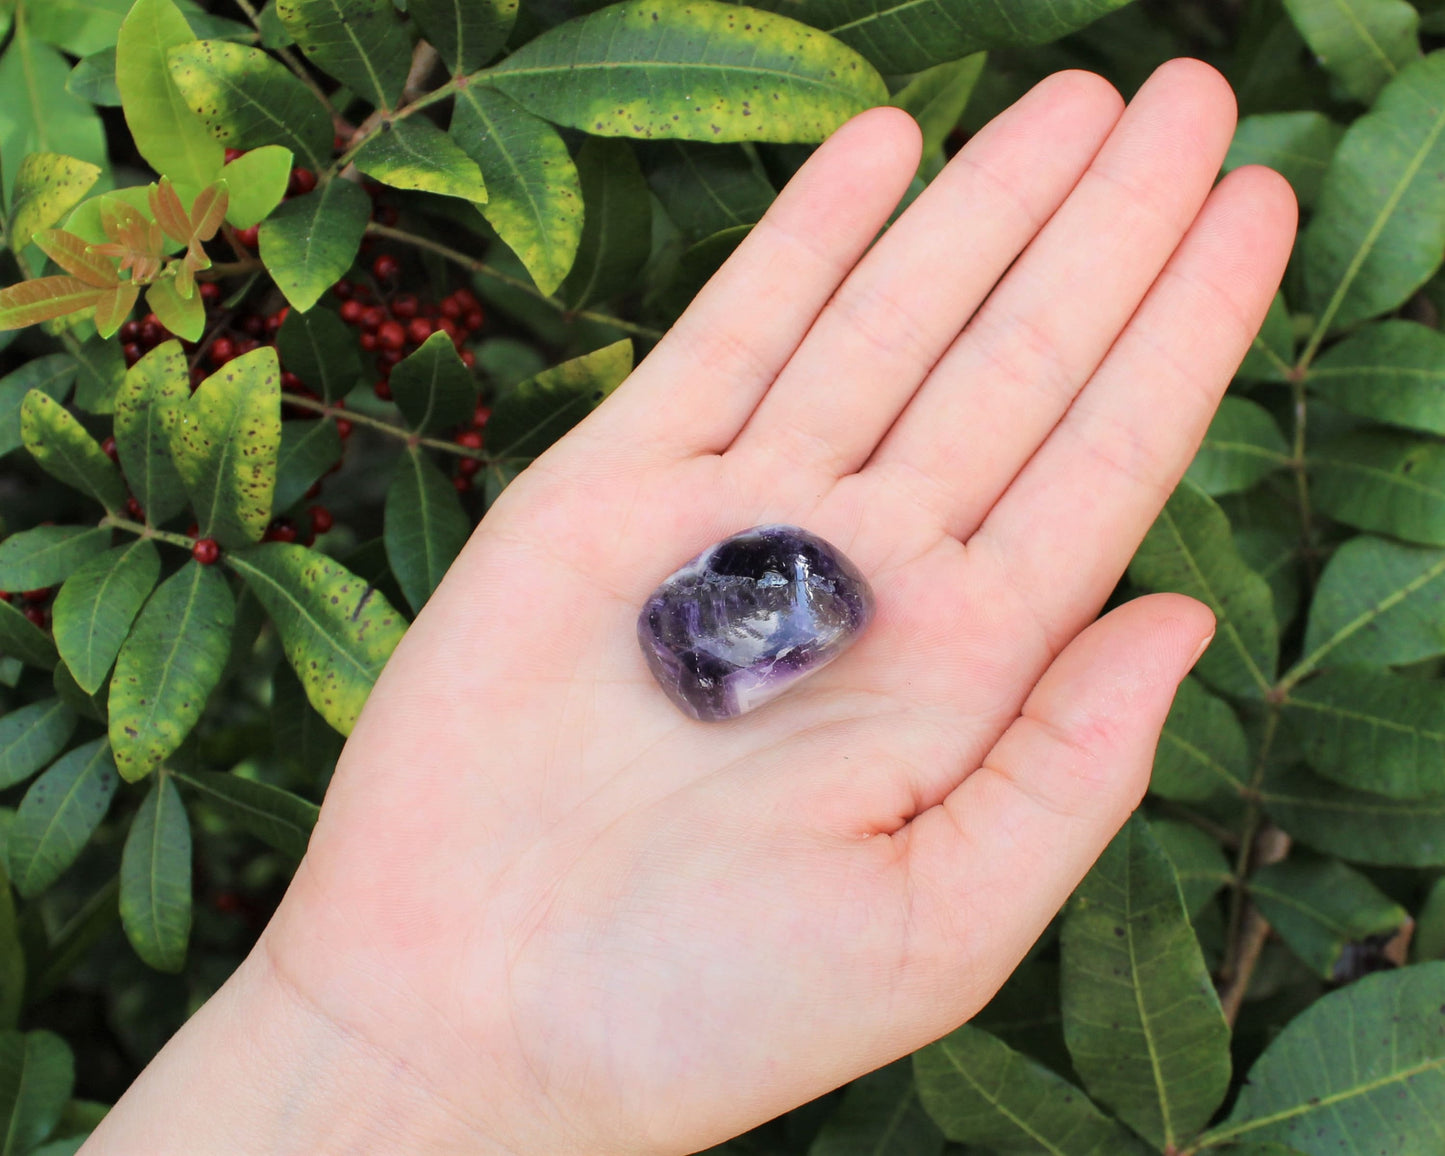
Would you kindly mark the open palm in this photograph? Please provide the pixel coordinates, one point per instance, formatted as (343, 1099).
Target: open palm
(585, 923)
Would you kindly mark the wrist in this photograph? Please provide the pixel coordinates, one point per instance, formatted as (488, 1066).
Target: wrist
(259, 1070)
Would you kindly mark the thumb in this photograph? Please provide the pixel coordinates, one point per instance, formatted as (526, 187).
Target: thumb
(1009, 844)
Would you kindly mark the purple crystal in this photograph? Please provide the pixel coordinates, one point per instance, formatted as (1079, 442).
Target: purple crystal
(749, 617)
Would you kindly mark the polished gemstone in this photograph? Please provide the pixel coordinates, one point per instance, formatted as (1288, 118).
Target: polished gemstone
(749, 617)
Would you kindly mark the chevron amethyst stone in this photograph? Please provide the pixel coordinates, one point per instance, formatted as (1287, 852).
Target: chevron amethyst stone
(749, 617)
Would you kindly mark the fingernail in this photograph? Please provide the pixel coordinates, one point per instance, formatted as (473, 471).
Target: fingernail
(1198, 654)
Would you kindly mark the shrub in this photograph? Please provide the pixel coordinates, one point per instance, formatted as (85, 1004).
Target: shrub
(382, 273)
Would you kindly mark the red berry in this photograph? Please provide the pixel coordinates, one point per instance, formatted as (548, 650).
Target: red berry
(462, 483)
(5, 596)
(481, 415)
(133, 353)
(205, 551)
(469, 466)
(469, 359)
(405, 306)
(193, 530)
(388, 359)
(343, 428)
(290, 382)
(373, 317)
(452, 309)
(152, 332)
(467, 300)
(368, 342)
(249, 238)
(449, 327)
(385, 267)
(133, 508)
(321, 520)
(130, 333)
(352, 311)
(391, 335)
(418, 330)
(314, 491)
(302, 181)
(387, 215)
(470, 439)
(210, 292)
(234, 155)
(33, 596)
(382, 389)
(343, 290)
(227, 902)
(107, 447)
(198, 375)
(278, 319)
(254, 324)
(339, 143)
(36, 614)
(473, 319)
(280, 530)
(221, 351)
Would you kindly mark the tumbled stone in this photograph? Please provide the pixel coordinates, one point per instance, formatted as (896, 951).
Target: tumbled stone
(749, 617)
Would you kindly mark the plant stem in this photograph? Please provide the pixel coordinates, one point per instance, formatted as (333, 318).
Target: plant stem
(1269, 846)
(1300, 469)
(380, 117)
(386, 427)
(1230, 970)
(485, 270)
(290, 60)
(142, 531)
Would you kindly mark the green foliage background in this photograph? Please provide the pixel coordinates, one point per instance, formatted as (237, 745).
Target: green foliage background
(1255, 964)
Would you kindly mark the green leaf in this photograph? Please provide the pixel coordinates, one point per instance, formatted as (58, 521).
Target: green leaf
(47, 555)
(531, 416)
(276, 817)
(1361, 1069)
(363, 43)
(1141, 1018)
(167, 133)
(1189, 550)
(61, 447)
(78, 27)
(1377, 602)
(1242, 446)
(52, 374)
(617, 225)
(1364, 43)
(31, 737)
(415, 154)
(37, 1075)
(1318, 906)
(706, 188)
(37, 113)
(91, 706)
(337, 630)
(1199, 863)
(95, 608)
(302, 738)
(308, 450)
(148, 410)
(426, 527)
(1202, 749)
(47, 187)
(701, 71)
(183, 316)
(1430, 925)
(155, 879)
(906, 35)
(248, 99)
(534, 195)
(1372, 730)
(936, 98)
(12, 961)
(93, 79)
(432, 388)
(1271, 353)
(308, 243)
(320, 349)
(102, 369)
(1383, 481)
(980, 1091)
(1355, 825)
(880, 1115)
(60, 811)
(1392, 372)
(168, 667)
(225, 446)
(1378, 232)
(21, 639)
(1298, 145)
(466, 33)
(256, 184)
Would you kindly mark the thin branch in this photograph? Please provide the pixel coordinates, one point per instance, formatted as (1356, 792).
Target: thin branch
(485, 270)
(1271, 846)
(331, 411)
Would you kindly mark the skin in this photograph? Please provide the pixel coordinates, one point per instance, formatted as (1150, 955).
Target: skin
(543, 912)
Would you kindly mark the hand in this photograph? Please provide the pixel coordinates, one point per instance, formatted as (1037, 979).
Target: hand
(545, 913)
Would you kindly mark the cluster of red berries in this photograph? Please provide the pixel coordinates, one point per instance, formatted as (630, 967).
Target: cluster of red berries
(393, 325)
(471, 437)
(35, 604)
